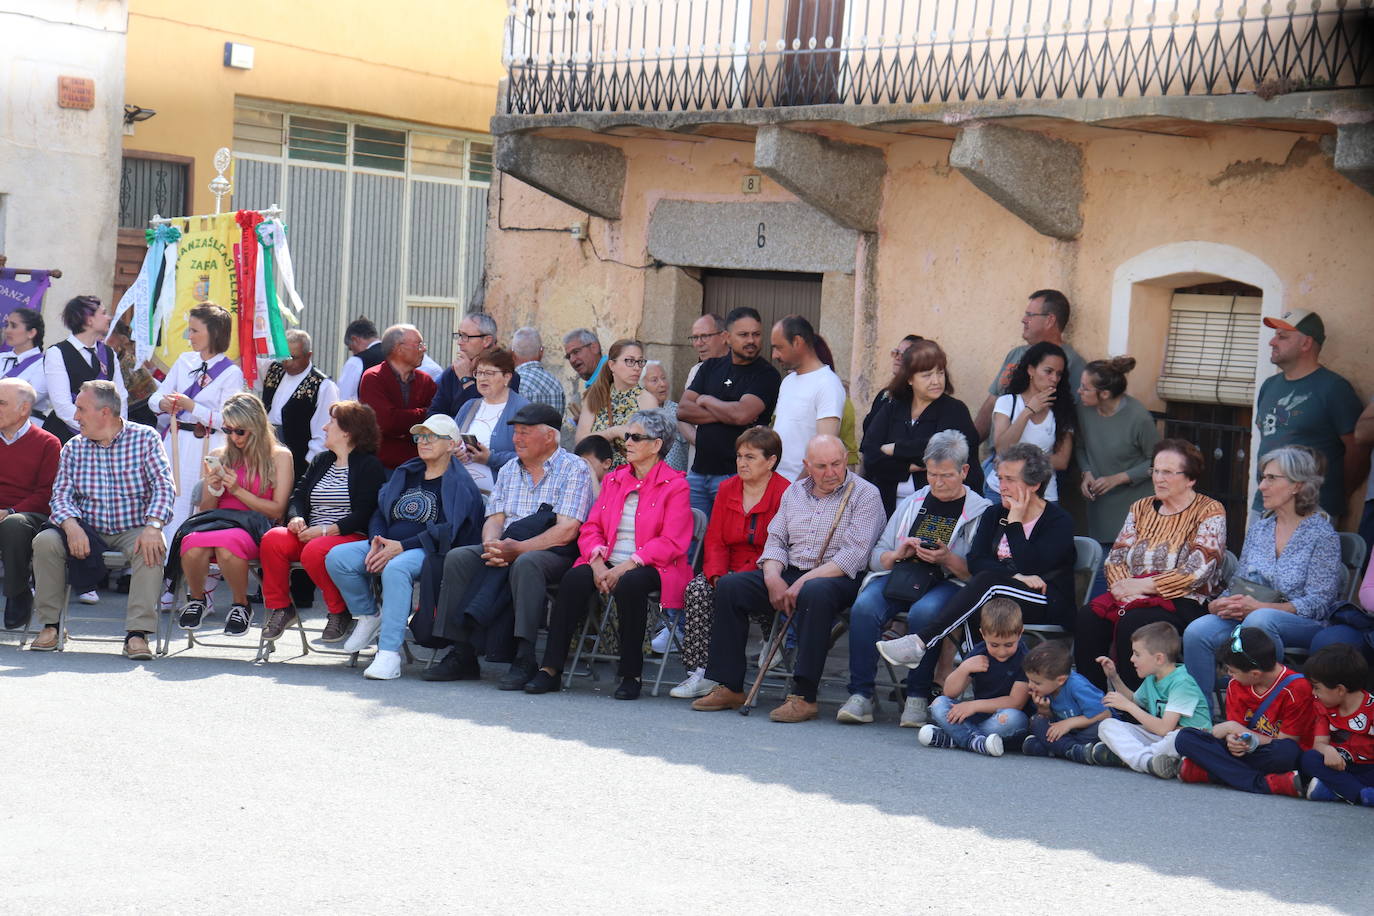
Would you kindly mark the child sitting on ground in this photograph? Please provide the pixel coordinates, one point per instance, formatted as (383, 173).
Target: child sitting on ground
(996, 714)
(1269, 722)
(1341, 762)
(1068, 707)
(1168, 699)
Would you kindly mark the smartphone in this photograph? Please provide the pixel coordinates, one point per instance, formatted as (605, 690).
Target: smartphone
(471, 441)
(930, 545)
(212, 461)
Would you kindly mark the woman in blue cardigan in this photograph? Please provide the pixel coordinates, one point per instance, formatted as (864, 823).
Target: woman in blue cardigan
(482, 421)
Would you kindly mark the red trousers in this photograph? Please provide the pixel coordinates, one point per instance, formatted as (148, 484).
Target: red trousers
(280, 548)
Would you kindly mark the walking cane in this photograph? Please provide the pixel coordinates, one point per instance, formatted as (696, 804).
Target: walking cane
(176, 456)
(774, 643)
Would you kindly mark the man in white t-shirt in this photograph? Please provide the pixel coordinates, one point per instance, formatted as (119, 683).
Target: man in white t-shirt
(811, 398)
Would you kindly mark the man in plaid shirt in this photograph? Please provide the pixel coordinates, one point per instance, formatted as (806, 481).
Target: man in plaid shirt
(114, 482)
(537, 384)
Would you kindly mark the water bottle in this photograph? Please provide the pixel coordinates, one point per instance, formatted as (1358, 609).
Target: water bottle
(1251, 741)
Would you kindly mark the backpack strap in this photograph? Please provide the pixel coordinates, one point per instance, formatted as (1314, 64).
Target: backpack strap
(1268, 700)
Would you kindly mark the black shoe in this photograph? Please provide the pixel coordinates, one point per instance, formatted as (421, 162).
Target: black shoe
(237, 621)
(521, 672)
(629, 689)
(456, 666)
(18, 609)
(192, 614)
(544, 683)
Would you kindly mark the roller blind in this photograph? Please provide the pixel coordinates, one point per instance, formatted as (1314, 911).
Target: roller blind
(1211, 353)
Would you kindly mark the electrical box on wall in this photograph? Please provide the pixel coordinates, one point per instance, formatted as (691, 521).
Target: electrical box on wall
(238, 56)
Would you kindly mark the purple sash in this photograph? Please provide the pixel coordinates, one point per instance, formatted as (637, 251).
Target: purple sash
(19, 367)
(206, 377)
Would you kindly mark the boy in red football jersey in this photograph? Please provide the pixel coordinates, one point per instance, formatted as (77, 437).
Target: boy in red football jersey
(1269, 722)
(1341, 762)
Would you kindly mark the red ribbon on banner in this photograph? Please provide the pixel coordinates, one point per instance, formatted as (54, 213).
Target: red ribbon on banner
(246, 253)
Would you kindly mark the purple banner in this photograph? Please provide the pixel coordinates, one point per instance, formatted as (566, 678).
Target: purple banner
(16, 293)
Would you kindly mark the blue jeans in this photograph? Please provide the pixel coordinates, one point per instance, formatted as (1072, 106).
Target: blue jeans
(1009, 723)
(1204, 635)
(1040, 728)
(870, 613)
(345, 565)
(703, 489)
(1344, 633)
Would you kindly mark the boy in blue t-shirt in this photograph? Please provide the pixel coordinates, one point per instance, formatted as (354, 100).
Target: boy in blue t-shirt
(1168, 699)
(996, 714)
(1068, 707)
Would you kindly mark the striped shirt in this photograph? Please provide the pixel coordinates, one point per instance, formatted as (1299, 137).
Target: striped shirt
(798, 531)
(115, 487)
(329, 500)
(538, 386)
(1181, 552)
(566, 485)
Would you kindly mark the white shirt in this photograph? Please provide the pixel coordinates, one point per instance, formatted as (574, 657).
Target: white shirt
(206, 402)
(1038, 434)
(327, 398)
(33, 373)
(804, 399)
(351, 375)
(431, 368)
(23, 428)
(60, 386)
(484, 421)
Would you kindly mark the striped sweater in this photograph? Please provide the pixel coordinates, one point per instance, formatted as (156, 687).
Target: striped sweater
(1183, 552)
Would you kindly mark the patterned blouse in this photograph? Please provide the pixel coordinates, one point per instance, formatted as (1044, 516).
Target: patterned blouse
(1308, 572)
(623, 406)
(1182, 552)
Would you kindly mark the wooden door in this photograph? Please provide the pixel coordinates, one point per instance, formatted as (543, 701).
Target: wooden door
(773, 295)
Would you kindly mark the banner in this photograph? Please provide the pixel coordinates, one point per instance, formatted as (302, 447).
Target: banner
(20, 294)
(204, 274)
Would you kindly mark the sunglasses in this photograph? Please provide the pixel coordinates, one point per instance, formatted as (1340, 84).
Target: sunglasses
(234, 431)
(429, 437)
(1238, 648)
(639, 437)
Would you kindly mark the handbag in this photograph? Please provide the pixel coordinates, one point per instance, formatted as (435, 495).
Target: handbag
(910, 580)
(1257, 590)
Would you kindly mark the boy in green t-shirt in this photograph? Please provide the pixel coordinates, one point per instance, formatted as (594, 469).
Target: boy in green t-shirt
(1168, 699)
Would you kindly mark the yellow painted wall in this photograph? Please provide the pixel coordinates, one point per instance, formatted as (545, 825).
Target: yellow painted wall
(426, 61)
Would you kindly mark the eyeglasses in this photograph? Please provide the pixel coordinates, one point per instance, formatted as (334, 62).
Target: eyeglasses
(487, 373)
(702, 338)
(574, 351)
(639, 437)
(632, 362)
(1272, 478)
(234, 431)
(1165, 473)
(1035, 314)
(419, 345)
(420, 438)
(459, 335)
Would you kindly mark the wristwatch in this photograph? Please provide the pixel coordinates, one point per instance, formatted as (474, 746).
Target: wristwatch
(154, 523)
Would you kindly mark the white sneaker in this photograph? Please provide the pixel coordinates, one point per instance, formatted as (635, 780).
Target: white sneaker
(90, 597)
(364, 633)
(386, 666)
(167, 602)
(857, 710)
(696, 685)
(660, 641)
(916, 712)
(907, 651)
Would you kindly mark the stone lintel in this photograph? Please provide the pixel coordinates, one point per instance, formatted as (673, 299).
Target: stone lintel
(588, 176)
(1037, 178)
(1355, 154)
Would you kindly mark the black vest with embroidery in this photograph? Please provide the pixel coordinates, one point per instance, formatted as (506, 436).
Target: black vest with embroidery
(296, 413)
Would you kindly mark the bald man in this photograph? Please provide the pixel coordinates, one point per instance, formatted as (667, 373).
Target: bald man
(810, 570)
(28, 465)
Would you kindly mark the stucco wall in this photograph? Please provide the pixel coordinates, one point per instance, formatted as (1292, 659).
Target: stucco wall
(59, 167)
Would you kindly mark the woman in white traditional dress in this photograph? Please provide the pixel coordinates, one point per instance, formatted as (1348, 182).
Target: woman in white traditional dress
(23, 335)
(194, 392)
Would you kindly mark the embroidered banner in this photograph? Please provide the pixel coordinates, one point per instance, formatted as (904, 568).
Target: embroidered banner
(204, 274)
(20, 294)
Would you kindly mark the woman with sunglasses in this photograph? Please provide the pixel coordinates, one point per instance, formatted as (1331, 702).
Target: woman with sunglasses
(1288, 579)
(193, 394)
(246, 486)
(633, 543)
(332, 505)
(429, 506)
(81, 358)
(1164, 565)
(744, 507)
(614, 396)
(486, 418)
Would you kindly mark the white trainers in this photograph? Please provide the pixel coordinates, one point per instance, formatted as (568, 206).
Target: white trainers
(696, 685)
(90, 597)
(386, 666)
(167, 602)
(660, 642)
(857, 710)
(907, 651)
(364, 633)
(915, 713)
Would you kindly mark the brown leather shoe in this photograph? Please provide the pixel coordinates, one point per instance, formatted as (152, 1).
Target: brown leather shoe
(719, 699)
(46, 640)
(336, 628)
(794, 709)
(136, 648)
(278, 621)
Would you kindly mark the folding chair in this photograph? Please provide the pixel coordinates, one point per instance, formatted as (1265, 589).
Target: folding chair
(1353, 554)
(1087, 559)
(114, 561)
(598, 619)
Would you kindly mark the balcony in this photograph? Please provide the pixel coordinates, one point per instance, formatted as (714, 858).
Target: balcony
(632, 56)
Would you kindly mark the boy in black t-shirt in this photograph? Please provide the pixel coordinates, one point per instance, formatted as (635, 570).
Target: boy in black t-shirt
(997, 713)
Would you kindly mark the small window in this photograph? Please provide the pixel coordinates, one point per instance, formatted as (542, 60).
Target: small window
(151, 187)
(375, 148)
(436, 156)
(479, 162)
(319, 141)
(258, 132)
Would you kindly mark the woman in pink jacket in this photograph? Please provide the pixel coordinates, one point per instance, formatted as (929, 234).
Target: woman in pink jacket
(633, 543)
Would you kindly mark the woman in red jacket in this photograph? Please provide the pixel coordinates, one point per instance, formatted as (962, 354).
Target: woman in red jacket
(633, 543)
(745, 504)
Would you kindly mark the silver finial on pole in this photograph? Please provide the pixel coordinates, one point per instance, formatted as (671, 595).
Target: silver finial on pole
(219, 185)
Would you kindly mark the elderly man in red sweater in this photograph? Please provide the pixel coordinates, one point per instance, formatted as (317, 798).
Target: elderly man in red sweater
(28, 464)
(397, 393)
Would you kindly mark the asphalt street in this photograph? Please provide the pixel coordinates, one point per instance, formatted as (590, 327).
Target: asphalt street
(200, 783)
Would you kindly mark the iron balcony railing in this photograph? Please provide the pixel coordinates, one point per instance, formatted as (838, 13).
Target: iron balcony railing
(697, 55)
